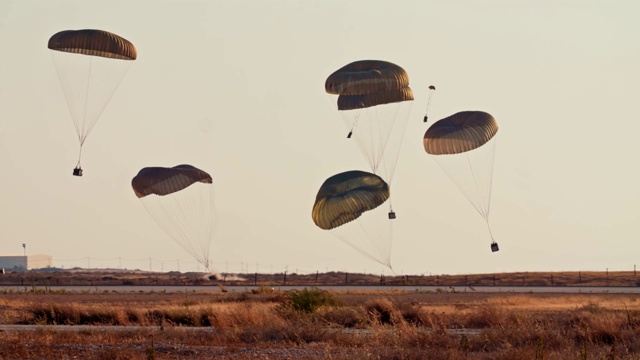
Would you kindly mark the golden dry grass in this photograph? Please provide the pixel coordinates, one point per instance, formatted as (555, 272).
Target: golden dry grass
(362, 325)
(399, 323)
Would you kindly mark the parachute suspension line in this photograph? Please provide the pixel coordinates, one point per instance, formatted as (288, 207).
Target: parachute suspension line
(451, 177)
(79, 156)
(83, 129)
(475, 185)
(490, 232)
(160, 211)
(353, 126)
(394, 160)
(382, 142)
(82, 135)
(126, 70)
(390, 243)
(345, 239)
(373, 159)
(493, 156)
(426, 112)
(190, 211)
(163, 214)
(368, 237)
(385, 263)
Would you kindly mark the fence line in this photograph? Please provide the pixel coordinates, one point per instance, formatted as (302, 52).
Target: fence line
(553, 278)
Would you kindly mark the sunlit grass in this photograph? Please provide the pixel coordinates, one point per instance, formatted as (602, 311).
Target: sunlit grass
(362, 325)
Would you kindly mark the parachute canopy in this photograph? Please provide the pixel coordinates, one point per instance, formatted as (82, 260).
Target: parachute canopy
(374, 99)
(344, 197)
(351, 102)
(90, 69)
(366, 77)
(460, 132)
(463, 145)
(163, 181)
(93, 42)
(184, 208)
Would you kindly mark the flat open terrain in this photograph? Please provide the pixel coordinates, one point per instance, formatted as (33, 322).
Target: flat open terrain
(101, 277)
(309, 323)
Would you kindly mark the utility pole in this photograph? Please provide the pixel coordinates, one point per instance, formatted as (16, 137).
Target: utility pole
(26, 262)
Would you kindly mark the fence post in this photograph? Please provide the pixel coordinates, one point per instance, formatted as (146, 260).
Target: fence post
(285, 277)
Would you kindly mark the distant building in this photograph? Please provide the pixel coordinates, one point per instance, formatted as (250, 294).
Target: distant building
(28, 262)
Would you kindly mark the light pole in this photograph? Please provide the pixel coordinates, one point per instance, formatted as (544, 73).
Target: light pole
(24, 246)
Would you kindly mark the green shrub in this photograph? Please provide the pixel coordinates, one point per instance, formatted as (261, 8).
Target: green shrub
(308, 300)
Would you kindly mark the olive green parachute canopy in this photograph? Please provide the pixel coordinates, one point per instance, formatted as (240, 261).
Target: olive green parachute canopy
(344, 197)
(366, 77)
(460, 132)
(351, 102)
(163, 181)
(93, 42)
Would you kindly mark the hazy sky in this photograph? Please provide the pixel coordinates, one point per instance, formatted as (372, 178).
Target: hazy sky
(237, 88)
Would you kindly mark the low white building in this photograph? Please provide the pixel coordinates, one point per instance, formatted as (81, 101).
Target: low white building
(28, 262)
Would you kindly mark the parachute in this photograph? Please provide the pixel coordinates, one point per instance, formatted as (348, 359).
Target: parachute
(344, 197)
(463, 145)
(90, 65)
(347, 204)
(426, 112)
(181, 201)
(374, 100)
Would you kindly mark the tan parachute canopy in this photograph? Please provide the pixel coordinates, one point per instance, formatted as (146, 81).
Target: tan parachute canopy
(344, 197)
(163, 181)
(351, 102)
(93, 42)
(366, 77)
(460, 132)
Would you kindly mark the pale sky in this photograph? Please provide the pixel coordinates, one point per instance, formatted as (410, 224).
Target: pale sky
(236, 88)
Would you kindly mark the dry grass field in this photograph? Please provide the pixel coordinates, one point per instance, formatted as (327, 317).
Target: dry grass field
(311, 323)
